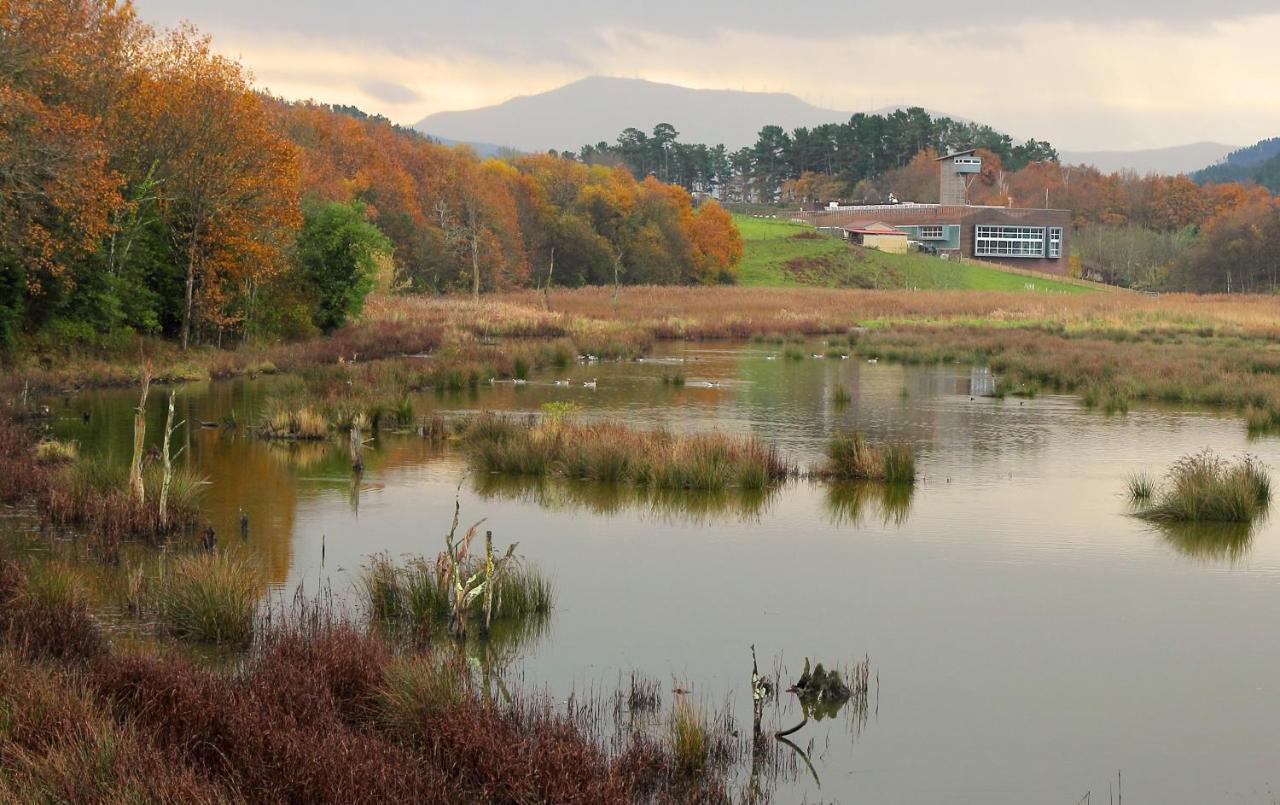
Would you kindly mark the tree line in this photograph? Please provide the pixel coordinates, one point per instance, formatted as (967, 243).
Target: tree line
(848, 155)
(146, 187)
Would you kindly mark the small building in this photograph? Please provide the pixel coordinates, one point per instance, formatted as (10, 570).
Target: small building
(876, 235)
(1024, 237)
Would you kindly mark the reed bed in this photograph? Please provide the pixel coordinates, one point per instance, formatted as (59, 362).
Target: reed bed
(617, 454)
(1206, 488)
(850, 457)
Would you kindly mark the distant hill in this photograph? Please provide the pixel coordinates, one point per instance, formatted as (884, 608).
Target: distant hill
(1259, 163)
(1170, 161)
(597, 108)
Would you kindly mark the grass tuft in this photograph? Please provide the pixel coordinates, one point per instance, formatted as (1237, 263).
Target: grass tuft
(209, 598)
(1206, 488)
(850, 457)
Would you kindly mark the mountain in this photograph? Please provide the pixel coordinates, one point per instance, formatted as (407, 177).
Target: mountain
(1259, 163)
(1171, 161)
(598, 108)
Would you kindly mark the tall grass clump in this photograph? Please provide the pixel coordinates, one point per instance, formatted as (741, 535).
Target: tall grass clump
(613, 453)
(1206, 488)
(850, 457)
(209, 598)
(690, 738)
(1141, 487)
(417, 592)
(840, 396)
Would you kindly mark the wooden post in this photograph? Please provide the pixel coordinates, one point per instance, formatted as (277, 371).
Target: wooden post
(357, 459)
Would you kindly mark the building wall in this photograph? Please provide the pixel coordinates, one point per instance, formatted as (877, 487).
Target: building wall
(950, 236)
(894, 244)
(965, 218)
(950, 184)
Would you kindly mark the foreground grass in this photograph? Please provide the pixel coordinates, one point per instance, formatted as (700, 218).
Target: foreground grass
(1204, 488)
(320, 710)
(781, 254)
(617, 454)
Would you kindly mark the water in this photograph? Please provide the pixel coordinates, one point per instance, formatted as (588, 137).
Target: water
(1028, 639)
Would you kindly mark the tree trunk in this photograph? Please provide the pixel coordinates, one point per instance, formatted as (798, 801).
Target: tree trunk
(617, 268)
(139, 436)
(168, 463)
(190, 297)
(546, 291)
(475, 251)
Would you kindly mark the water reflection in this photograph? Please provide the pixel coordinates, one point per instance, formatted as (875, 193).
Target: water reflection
(689, 507)
(849, 504)
(1210, 542)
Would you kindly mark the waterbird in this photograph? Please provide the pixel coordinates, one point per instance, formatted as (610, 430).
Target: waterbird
(771, 357)
(519, 381)
(844, 357)
(873, 360)
(562, 382)
(590, 383)
(816, 355)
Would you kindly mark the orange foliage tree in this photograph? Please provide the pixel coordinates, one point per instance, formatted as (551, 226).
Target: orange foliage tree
(226, 180)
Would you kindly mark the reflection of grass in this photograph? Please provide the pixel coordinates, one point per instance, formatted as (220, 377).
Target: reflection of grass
(1213, 541)
(606, 499)
(849, 503)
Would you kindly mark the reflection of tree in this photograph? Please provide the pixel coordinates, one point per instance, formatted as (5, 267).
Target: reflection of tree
(850, 503)
(1209, 541)
(690, 506)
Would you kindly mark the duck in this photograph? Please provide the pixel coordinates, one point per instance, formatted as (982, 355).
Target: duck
(561, 383)
(844, 357)
(590, 383)
(873, 360)
(519, 381)
(771, 357)
(817, 355)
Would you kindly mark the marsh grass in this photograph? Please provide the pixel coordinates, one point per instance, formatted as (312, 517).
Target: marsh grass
(613, 453)
(416, 592)
(209, 598)
(1206, 488)
(840, 396)
(794, 353)
(690, 739)
(54, 451)
(850, 503)
(850, 457)
(1141, 487)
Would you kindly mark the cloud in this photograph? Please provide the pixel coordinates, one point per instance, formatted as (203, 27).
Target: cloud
(1086, 75)
(389, 91)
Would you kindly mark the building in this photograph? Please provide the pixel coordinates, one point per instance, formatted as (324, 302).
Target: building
(1022, 237)
(876, 235)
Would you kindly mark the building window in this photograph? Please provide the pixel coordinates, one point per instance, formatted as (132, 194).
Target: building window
(931, 233)
(1055, 242)
(1008, 241)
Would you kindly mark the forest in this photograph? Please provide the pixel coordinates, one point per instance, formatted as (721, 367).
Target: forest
(146, 187)
(1150, 232)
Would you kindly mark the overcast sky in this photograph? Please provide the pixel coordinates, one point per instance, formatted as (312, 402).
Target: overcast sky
(1085, 74)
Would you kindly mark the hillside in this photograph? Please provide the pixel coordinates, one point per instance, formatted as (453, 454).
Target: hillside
(1167, 161)
(1258, 163)
(782, 254)
(597, 108)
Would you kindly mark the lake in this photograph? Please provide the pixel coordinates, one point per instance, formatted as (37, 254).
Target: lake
(1028, 639)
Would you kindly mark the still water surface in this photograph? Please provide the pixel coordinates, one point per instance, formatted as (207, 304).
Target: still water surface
(1029, 638)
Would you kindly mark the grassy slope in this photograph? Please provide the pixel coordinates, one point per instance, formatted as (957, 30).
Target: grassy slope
(770, 244)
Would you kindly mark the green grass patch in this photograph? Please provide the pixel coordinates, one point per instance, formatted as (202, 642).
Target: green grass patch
(1206, 488)
(781, 254)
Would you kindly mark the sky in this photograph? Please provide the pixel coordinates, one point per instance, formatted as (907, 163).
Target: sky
(1084, 74)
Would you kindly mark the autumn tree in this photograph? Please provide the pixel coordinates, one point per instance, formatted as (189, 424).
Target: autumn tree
(61, 65)
(226, 180)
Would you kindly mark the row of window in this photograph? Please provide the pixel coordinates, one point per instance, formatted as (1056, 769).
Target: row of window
(1016, 241)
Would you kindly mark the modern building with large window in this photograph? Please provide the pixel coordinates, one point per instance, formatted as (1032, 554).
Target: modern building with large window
(1022, 237)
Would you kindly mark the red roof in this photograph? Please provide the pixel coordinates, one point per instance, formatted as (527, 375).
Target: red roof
(873, 228)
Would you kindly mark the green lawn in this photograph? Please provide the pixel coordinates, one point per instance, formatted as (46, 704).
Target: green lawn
(779, 254)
